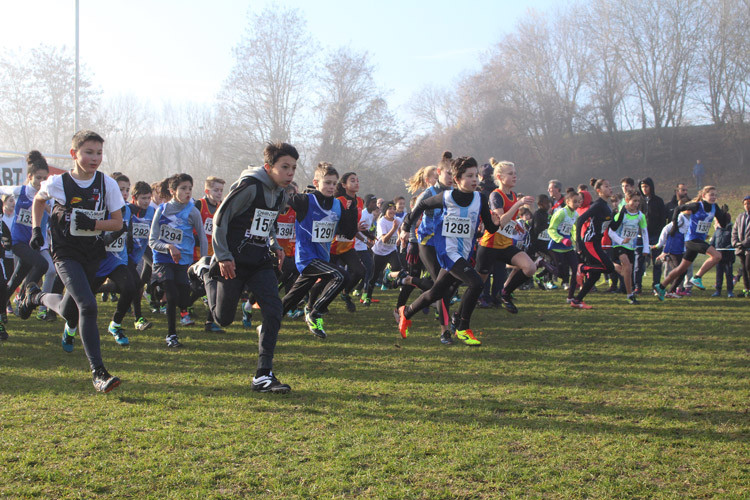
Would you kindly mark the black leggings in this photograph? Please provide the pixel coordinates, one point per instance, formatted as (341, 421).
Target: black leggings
(567, 266)
(461, 272)
(332, 279)
(289, 273)
(381, 261)
(354, 267)
(428, 256)
(122, 282)
(30, 266)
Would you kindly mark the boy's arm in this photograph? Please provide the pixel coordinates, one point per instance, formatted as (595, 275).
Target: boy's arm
(232, 205)
(554, 222)
(153, 235)
(197, 222)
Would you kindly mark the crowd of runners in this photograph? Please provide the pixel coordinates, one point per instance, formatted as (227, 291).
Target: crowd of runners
(69, 238)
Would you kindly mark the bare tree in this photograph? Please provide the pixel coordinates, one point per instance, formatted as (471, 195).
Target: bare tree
(357, 128)
(433, 108)
(125, 121)
(263, 96)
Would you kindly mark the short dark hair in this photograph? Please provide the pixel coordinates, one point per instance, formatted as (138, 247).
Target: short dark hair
(542, 199)
(121, 178)
(177, 179)
(275, 150)
(628, 180)
(140, 188)
(462, 164)
(323, 169)
(85, 135)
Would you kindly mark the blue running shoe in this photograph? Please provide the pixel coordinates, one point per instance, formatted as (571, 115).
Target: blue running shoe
(660, 291)
(213, 327)
(68, 338)
(247, 316)
(118, 333)
(697, 281)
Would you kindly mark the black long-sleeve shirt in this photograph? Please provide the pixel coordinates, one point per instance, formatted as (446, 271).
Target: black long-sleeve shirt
(694, 206)
(462, 199)
(601, 219)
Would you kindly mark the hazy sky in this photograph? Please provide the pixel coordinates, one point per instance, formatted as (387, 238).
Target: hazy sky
(182, 50)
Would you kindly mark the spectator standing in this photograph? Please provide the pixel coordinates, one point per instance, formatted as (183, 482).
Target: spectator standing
(699, 171)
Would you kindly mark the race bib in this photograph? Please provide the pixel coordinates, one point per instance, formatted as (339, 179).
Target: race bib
(565, 228)
(285, 230)
(629, 232)
(117, 246)
(392, 240)
(703, 226)
(544, 236)
(322, 231)
(24, 217)
(170, 234)
(92, 214)
(456, 227)
(141, 230)
(261, 224)
(508, 230)
(208, 226)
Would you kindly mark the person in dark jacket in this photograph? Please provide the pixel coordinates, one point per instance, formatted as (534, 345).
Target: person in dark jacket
(741, 242)
(653, 208)
(722, 241)
(679, 191)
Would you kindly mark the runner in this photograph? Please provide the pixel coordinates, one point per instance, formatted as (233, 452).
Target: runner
(630, 221)
(561, 241)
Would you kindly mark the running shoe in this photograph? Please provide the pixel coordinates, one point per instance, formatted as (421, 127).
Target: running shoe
(247, 316)
(632, 300)
(365, 300)
(384, 287)
(446, 338)
(163, 309)
(356, 293)
(672, 295)
(295, 313)
(697, 281)
(468, 337)
(579, 304)
(349, 303)
(550, 286)
(200, 266)
(315, 325)
(637, 290)
(403, 323)
(660, 291)
(455, 299)
(105, 296)
(483, 304)
(717, 293)
(539, 282)
(213, 328)
(186, 319)
(269, 383)
(3, 333)
(118, 333)
(173, 341)
(568, 300)
(396, 316)
(508, 304)
(142, 324)
(68, 338)
(103, 381)
(45, 314)
(28, 302)
(730, 295)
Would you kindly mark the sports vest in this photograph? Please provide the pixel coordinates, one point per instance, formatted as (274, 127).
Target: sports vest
(315, 232)
(503, 238)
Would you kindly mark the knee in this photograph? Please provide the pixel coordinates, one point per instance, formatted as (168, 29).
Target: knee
(88, 307)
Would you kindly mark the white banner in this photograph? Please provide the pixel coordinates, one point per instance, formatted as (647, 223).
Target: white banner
(12, 171)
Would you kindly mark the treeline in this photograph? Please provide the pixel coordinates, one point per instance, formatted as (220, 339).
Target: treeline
(595, 88)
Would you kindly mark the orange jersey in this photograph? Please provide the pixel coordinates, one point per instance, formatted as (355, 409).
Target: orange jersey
(503, 238)
(285, 231)
(340, 244)
(208, 227)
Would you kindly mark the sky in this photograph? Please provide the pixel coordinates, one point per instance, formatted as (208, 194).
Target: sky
(169, 50)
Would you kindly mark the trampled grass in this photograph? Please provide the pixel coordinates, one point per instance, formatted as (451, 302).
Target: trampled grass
(617, 402)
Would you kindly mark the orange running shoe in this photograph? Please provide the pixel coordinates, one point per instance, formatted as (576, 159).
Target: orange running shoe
(579, 304)
(403, 323)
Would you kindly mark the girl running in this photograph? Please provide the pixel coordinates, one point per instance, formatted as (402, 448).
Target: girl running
(342, 247)
(171, 239)
(561, 241)
(499, 245)
(630, 221)
(591, 225)
(704, 210)
(463, 208)
(142, 215)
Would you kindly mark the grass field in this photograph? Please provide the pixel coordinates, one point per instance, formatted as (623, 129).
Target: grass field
(617, 402)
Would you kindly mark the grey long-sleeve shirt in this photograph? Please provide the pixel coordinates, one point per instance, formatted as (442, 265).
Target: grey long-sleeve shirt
(171, 208)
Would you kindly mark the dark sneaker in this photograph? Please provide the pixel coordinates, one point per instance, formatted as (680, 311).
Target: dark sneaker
(269, 383)
(349, 303)
(202, 265)
(68, 339)
(28, 303)
(315, 324)
(173, 341)
(632, 300)
(103, 381)
(446, 338)
(213, 328)
(507, 302)
(3, 333)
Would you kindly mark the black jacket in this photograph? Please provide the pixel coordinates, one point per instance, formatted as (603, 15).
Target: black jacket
(654, 210)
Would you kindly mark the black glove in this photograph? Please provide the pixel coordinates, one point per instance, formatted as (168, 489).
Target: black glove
(37, 238)
(84, 222)
(110, 238)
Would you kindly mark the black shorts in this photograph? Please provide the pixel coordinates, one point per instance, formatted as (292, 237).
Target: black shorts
(170, 272)
(693, 248)
(617, 251)
(486, 257)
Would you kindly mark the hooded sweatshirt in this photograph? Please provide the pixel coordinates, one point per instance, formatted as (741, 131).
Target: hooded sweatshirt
(654, 210)
(239, 200)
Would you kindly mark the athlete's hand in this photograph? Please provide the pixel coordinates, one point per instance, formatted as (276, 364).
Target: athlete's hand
(370, 242)
(280, 256)
(37, 238)
(403, 238)
(84, 222)
(363, 225)
(527, 200)
(175, 253)
(626, 240)
(412, 253)
(226, 267)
